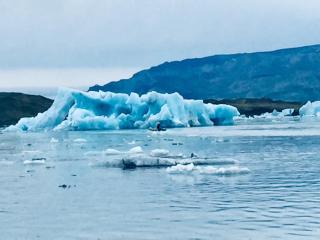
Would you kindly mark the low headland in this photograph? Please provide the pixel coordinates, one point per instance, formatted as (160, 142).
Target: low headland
(18, 105)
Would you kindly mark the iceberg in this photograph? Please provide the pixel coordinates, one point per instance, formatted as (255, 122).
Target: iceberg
(78, 110)
(310, 109)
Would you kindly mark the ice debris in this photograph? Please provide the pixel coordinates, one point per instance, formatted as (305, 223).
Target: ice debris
(80, 140)
(111, 151)
(54, 140)
(310, 109)
(135, 150)
(191, 168)
(34, 162)
(276, 114)
(159, 153)
(137, 157)
(77, 110)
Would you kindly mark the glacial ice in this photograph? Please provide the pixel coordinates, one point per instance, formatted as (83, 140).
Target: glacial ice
(159, 153)
(276, 114)
(310, 109)
(135, 150)
(34, 162)
(80, 140)
(111, 151)
(54, 140)
(191, 168)
(77, 110)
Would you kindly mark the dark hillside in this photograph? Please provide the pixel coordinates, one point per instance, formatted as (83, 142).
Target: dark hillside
(287, 74)
(14, 106)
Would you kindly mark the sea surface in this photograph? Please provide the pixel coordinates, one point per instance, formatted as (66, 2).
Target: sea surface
(256, 180)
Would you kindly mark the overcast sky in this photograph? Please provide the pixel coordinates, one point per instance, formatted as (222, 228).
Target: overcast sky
(83, 42)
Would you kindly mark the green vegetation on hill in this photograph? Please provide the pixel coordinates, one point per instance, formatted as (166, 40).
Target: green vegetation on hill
(14, 106)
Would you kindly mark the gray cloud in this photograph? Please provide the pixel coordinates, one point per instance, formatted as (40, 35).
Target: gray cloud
(128, 33)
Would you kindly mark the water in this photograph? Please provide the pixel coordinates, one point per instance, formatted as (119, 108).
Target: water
(278, 199)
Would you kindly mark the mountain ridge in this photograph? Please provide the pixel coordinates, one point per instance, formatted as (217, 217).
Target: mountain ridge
(290, 74)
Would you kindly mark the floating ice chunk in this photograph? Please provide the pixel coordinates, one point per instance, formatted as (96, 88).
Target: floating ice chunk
(159, 153)
(132, 142)
(223, 170)
(54, 140)
(190, 168)
(310, 109)
(111, 151)
(181, 168)
(80, 140)
(77, 110)
(135, 150)
(276, 114)
(34, 162)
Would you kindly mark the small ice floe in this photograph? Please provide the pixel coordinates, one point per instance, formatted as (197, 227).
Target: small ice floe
(132, 143)
(191, 168)
(111, 151)
(135, 150)
(35, 161)
(159, 153)
(54, 140)
(80, 140)
(220, 140)
(181, 168)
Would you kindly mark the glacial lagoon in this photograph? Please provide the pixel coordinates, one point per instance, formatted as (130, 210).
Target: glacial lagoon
(258, 179)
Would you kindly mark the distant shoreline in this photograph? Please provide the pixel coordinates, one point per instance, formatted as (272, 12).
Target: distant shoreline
(258, 106)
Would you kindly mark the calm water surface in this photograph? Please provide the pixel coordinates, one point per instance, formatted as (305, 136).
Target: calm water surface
(278, 199)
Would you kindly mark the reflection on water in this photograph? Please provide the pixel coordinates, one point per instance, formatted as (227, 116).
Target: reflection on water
(278, 199)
